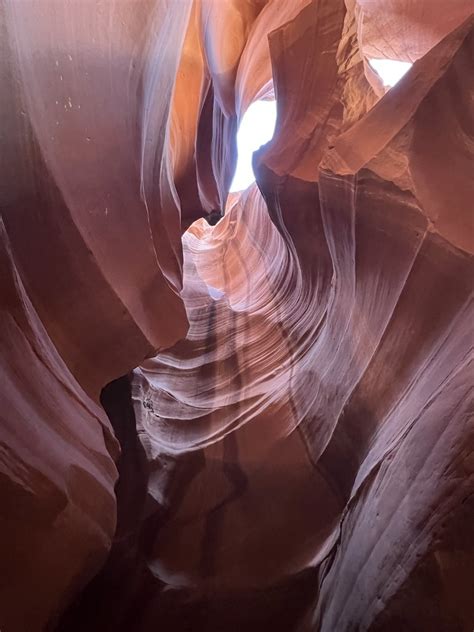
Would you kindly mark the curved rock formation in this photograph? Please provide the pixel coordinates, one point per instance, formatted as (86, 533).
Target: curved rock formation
(290, 388)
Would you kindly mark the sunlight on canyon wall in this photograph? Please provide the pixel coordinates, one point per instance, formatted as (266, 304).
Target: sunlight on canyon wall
(236, 398)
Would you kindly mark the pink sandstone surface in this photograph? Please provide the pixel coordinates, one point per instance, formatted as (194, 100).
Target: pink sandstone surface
(266, 424)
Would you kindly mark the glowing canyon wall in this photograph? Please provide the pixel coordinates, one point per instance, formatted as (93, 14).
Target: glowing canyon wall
(266, 424)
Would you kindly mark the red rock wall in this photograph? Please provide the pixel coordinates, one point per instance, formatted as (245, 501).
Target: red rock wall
(299, 451)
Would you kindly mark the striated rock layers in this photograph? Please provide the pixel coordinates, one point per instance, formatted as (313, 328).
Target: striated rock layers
(266, 424)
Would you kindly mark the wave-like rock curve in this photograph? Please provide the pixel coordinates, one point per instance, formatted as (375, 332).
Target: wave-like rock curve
(296, 435)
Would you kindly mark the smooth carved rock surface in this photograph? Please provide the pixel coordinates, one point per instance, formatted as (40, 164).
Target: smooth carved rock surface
(266, 424)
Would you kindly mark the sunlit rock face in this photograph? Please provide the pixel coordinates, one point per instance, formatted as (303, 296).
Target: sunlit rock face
(262, 424)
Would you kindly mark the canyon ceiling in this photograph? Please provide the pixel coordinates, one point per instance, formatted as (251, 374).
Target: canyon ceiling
(265, 424)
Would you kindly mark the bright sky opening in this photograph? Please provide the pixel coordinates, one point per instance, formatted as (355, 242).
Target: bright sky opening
(256, 129)
(258, 123)
(389, 70)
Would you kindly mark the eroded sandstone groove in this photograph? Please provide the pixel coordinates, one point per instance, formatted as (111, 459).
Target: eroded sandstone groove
(265, 424)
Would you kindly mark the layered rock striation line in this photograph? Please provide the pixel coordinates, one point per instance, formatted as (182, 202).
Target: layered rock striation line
(265, 424)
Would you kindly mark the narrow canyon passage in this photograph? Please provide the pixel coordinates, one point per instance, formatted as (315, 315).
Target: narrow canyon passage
(232, 404)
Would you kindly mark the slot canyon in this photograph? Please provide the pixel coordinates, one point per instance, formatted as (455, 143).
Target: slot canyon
(236, 410)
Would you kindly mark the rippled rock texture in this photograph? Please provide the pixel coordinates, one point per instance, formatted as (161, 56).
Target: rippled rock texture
(264, 424)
